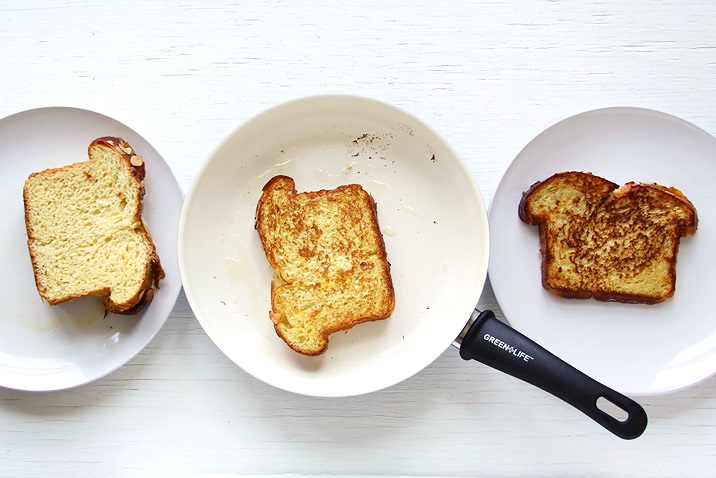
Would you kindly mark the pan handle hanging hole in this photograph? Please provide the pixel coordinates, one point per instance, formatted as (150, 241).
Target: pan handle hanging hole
(612, 409)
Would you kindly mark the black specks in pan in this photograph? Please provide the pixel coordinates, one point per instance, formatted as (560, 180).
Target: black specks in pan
(372, 145)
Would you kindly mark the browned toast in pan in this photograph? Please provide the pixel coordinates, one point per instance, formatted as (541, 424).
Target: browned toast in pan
(612, 243)
(330, 265)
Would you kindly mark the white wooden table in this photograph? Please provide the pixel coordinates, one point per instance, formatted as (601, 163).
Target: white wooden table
(489, 75)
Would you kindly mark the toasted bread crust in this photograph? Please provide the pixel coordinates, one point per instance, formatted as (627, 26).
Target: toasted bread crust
(134, 164)
(607, 242)
(329, 259)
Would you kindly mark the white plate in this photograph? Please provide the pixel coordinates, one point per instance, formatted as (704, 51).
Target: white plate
(635, 349)
(51, 348)
(432, 217)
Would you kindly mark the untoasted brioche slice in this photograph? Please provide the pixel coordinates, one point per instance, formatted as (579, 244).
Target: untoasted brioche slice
(329, 261)
(608, 242)
(85, 232)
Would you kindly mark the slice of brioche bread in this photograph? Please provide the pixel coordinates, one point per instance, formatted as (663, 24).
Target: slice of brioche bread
(85, 232)
(329, 260)
(608, 242)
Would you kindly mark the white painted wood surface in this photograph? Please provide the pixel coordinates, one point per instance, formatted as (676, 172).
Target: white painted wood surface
(489, 75)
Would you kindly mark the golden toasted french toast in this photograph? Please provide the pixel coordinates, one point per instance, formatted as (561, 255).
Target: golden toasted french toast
(612, 243)
(85, 232)
(330, 266)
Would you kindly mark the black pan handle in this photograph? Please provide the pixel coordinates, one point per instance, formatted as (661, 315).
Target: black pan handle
(498, 345)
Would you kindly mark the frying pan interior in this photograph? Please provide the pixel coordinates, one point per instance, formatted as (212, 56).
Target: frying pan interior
(432, 216)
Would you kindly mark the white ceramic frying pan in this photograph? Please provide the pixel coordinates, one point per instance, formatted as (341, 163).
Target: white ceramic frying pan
(435, 228)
